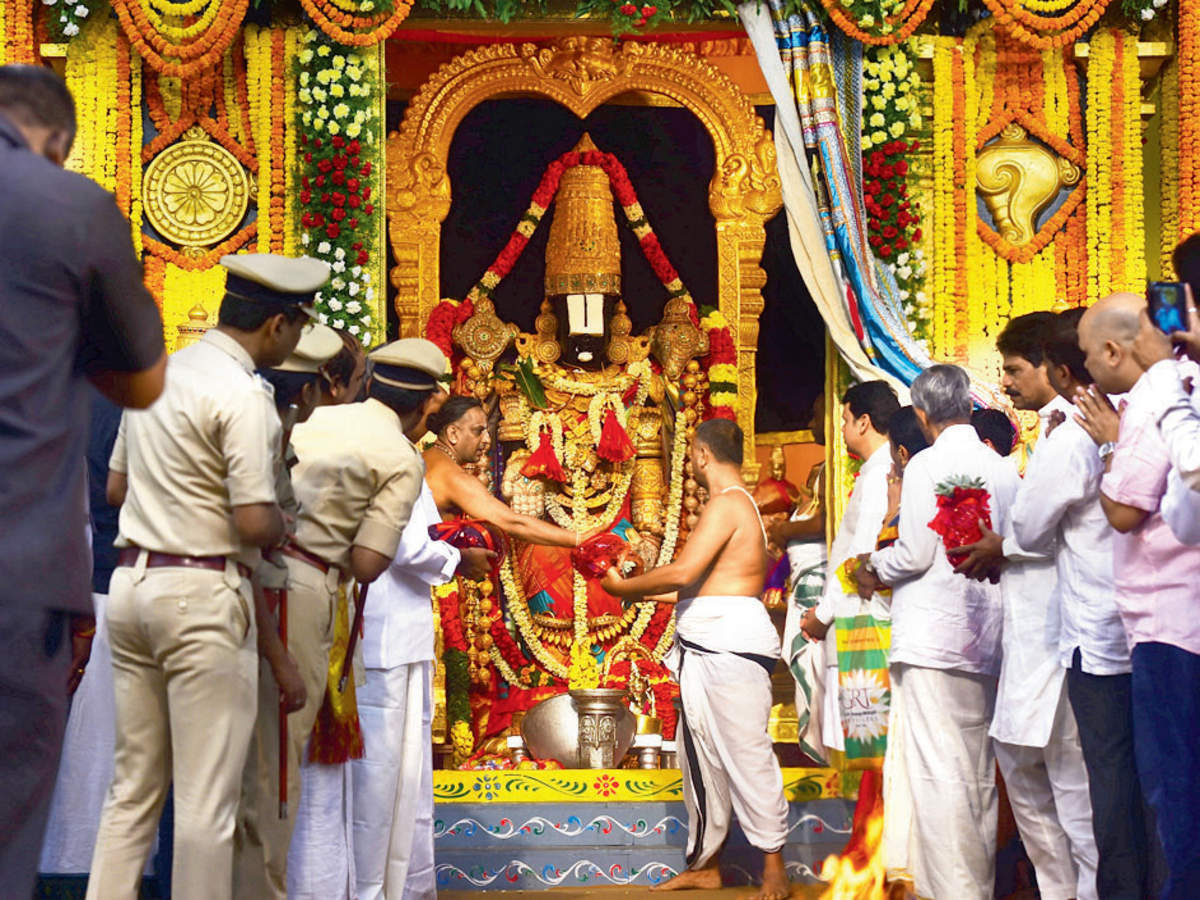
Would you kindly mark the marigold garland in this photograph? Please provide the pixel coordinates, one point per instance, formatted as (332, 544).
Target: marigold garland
(178, 51)
(1188, 140)
(895, 22)
(352, 30)
(1046, 32)
(17, 40)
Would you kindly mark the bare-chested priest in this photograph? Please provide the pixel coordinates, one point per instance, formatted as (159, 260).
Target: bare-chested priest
(725, 651)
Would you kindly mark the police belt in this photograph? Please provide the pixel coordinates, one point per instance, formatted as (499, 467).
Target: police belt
(154, 560)
(295, 551)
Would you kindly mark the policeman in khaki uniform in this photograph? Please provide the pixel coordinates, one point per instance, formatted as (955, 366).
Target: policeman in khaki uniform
(195, 474)
(291, 675)
(357, 480)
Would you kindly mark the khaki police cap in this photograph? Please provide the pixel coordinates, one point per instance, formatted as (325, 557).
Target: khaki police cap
(412, 363)
(318, 345)
(272, 279)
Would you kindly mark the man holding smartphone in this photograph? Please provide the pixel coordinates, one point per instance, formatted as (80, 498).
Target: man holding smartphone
(1155, 574)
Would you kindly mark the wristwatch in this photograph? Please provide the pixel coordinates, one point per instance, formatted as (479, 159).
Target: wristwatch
(1106, 450)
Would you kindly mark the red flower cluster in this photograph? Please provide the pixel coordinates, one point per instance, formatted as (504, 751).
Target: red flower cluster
(442, 320)
(452, 628)
(961, 506)
(335, 192)
(892, 218)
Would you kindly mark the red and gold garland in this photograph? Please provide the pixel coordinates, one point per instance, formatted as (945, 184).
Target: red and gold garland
(439, 328)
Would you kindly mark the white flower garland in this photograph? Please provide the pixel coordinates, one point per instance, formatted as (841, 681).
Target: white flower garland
(545, 421)
(588, 522)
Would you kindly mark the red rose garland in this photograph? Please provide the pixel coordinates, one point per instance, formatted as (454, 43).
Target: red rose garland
(892, 219)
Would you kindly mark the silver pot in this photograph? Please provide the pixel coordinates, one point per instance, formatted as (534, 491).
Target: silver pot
(552, 728)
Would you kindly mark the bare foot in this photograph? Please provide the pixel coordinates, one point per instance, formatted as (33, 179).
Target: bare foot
(708, 878)
(775, 884)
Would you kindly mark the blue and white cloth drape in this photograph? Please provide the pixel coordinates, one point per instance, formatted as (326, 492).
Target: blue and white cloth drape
(816, 81)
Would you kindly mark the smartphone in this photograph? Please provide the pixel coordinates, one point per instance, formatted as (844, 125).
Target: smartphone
(1168, 305)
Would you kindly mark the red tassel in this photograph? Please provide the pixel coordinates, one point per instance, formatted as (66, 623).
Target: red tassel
(614, 445)
(336, 738)
(543, 463)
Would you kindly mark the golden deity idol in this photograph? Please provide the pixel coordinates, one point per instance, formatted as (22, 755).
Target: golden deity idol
(592, 423)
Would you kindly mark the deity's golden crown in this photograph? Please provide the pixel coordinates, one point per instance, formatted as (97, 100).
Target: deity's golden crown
(583, 253)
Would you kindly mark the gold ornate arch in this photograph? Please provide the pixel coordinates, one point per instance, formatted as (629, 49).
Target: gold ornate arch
(581, 73)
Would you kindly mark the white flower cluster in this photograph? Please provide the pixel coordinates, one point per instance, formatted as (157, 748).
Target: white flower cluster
(890, 95)
(909, 270)
(872, 11)
(337, 99)
(69, 15)
(329, 90)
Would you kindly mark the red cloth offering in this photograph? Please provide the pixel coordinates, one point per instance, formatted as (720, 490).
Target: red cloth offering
(466, 533)
(597, 554)
(614, 445)
(961, 504)
(543, 463)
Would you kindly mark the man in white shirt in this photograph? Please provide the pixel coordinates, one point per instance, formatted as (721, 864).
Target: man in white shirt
(866, 408)
(1059, 507)
(1037, 742)
(939, 773)
(393, 782)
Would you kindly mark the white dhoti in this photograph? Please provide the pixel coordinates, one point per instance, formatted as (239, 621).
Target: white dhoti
(1048, 790)
(86, 768)
(939, 781)
(320, 863)
(393, 785)
(722, 659)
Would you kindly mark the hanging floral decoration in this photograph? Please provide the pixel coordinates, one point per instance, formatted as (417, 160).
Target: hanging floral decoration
(64, 18)
(181, 39)
(721, 366)
(357, 24)
(17, 42)
(891, 86)
(340, 139)
(878, 22)
(1188, 135)
(1115, 223)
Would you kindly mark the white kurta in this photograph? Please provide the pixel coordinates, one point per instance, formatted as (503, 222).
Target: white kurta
(1064, 514)
(940, 793)
(857, 534)
(1037, 743)
(393, 782)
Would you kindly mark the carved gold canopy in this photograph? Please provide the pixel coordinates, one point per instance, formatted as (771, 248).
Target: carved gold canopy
(582, 73)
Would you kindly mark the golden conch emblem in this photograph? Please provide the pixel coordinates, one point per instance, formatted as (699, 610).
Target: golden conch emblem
(1018, 178)
(196, 191)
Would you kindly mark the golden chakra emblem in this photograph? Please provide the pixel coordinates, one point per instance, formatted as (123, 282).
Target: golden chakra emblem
(196, 191)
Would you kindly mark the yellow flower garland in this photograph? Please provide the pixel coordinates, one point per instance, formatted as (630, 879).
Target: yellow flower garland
(1169, 170)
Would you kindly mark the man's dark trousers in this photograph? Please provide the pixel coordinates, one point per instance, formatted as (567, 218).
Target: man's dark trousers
(1104, 714)
(1166, 723)
(35, 655)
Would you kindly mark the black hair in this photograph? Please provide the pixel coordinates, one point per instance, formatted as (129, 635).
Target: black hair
(341, 367)
(37, 96)
(874, 399)
(723, 438)
(1023, 336)
(402, 401)
(452, 410)
(287, 385)
(1186, 260)
(904, 430)
(248, 316)
(1061, 344)
(993, 425)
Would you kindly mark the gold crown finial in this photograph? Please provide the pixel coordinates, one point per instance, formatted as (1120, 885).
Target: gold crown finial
(583, 253)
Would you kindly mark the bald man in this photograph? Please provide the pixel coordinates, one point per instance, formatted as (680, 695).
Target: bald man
(1155, 576)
